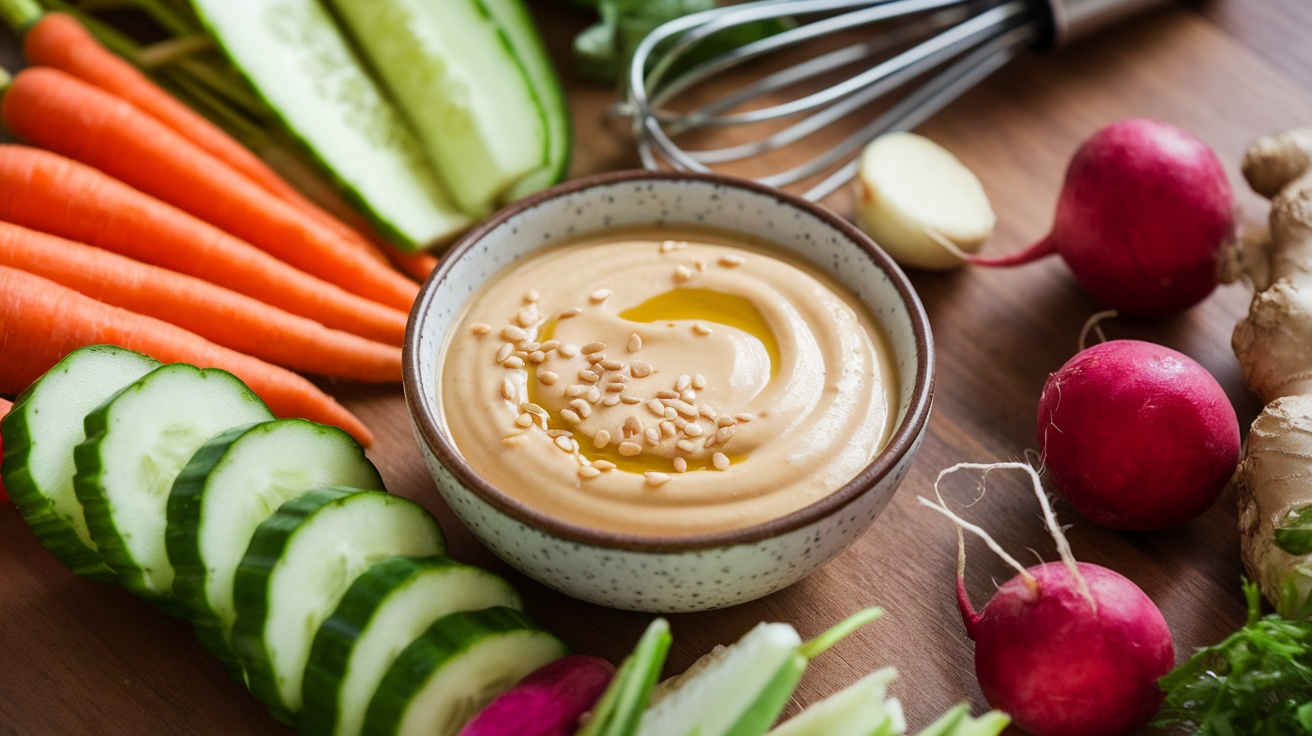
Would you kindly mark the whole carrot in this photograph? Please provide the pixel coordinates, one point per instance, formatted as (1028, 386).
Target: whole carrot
(217, 314)
(61, 113)
(47, 192)
(41, 322)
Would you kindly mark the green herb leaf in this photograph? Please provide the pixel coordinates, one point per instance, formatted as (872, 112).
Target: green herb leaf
(1257, 681)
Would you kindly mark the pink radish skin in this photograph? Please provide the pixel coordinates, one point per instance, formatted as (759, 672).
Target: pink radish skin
(1142, 217)
(548, 702)
(1061, 667)
(1137, 436)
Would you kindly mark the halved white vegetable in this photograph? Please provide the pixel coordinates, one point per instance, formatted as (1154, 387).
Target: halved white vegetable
(456, 667)
(383, 611)
(300, 562)
(136, 444)
(40, 432)
(298, 61)
(860, 709)
(229, 487)
(451, 71)
(912, 194)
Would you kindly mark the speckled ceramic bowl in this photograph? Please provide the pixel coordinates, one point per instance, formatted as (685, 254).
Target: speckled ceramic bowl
(672, 574)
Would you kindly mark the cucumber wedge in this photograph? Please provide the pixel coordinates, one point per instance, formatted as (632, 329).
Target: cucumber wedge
(297, 60)
(384, 610)
(957, 721)
(456, 667)
(40, 432)
(299, 564)
(231, 485)
(136, 444)
(451, 71)
(620, 709)
(525, 42)
(860, 709)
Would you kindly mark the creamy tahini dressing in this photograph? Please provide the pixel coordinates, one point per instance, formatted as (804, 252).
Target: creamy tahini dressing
(661, 384)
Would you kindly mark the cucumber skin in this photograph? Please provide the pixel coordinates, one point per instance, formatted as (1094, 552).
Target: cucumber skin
(447, 637)
(184, 513)
(99, 516)
(38, 511)
(333, 643)
(251, 594)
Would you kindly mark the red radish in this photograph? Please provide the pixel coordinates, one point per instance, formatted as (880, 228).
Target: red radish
(1064, 648)
(1141, 220)
(548, 702)
(1137, 436)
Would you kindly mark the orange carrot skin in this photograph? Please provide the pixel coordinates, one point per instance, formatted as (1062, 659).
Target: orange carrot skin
(41, 322)
(61, 113)
(5, 406)
(217, 314)
(47, 192)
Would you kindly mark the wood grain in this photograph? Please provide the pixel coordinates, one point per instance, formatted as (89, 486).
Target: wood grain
(81, 658)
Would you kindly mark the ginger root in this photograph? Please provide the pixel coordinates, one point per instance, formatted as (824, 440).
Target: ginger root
(1274, 346)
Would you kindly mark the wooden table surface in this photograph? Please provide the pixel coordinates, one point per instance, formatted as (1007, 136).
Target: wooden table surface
(83, 658)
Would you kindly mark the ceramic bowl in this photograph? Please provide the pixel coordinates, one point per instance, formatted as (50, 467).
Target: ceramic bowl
(686, 573)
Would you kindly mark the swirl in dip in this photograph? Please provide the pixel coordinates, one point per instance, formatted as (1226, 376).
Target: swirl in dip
(665, 384)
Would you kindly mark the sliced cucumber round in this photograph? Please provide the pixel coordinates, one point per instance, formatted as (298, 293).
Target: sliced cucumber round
(231, 485)
(300, 562)
(137, 443)
(456, 667)
(40, 432)
(384, 610)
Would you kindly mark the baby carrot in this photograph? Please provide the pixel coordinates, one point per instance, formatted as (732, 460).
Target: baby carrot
(217, 314)
(41, 322)
(61, 113)
(47, 192)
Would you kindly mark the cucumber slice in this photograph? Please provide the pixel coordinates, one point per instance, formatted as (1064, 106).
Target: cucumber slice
(452, 73)
(137, 443)
(300, 563)
(456, 667)
(40, 432)
(860, 709)
(297, 60)
(232, 484)
(525, 42)
(384, 610)
(730, 684)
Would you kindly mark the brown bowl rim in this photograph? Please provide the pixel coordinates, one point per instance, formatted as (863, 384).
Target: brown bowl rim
(423, 415)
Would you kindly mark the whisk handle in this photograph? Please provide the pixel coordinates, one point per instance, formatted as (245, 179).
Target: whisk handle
(1072, 19)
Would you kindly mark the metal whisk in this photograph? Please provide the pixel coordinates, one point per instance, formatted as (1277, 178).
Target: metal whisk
(936, 49)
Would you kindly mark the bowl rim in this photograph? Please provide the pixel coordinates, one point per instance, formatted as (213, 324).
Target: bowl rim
(423, 414)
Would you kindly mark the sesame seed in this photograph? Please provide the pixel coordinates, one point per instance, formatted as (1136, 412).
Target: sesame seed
(629, 449)
(604, 465)
(686, 445)
(513, 334)
(532, 408)
(684, 383)
(530, 346)
(588, 472)
(682, 273)
(618, 378)
(554, 433)
(576, 389)
(532, 295)
(720, 461)
(639, 369)
(565, 443)
(581, 407)
(684, 408)
(512, 440)
(656, 479)
(479, 329)
(693, 430)
(631, 426)
(680, 465)
(524, 421)
(656, 408)
(593, 395)
(571, 312)
(671, 245)
(635, 343)
(592, 347)
(670, 413)
(527, 316)
(570, 416)
(599, 296)
(701, 329)
(668, 429)
(710, 441)
(688, 395)
(611, 364)
(707, 411)
(724, 434)
(700, 264)
(587, 376)
(731, 261)
(548, 378)
(513, 361)
(504, 352)
(549, 345)
(699, 382)
(566, 350)
(537, 356)
(652, 435)
(725, 421)
(665, 393)
(508, 389)
(601, 439)
(596, 358)
(743, 417)
(630, 400)
(614, 388)
(610, 400)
